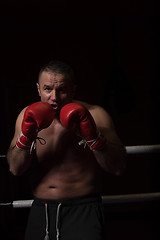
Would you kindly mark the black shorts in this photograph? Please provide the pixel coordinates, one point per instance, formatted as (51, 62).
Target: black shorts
(71, 219)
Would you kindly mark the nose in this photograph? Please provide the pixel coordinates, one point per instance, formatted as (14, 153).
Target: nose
(53, 95)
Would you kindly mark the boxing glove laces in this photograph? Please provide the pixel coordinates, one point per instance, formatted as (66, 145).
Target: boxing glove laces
(75, 114)
(37, 116)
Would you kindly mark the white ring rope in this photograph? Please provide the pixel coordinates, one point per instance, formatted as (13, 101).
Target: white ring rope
(111, 199)
(143, 149)
(130, 198)
(18, 204)
(141, 197)
(133, 149)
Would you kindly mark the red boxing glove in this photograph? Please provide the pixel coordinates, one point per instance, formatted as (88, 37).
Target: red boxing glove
(37, 116)
(74, 113)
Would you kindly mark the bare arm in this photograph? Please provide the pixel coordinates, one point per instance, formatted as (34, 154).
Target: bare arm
(18, 159)
(113, 157)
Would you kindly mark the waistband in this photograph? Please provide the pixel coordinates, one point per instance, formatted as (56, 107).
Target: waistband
(69, 201)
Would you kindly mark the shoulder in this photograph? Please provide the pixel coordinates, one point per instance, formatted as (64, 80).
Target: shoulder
(17, 127)
(22, 112)
(20, 117)
(100, 115)
(87, 105)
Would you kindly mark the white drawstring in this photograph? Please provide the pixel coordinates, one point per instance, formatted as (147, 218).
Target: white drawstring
(46, 213)
(57, 221)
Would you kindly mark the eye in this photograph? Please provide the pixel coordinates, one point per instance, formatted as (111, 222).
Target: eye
(62, 90)
(47, 89)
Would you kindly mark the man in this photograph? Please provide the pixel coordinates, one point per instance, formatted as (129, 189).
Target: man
(64, 144)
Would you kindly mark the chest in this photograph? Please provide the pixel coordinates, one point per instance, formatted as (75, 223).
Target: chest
(58, 143)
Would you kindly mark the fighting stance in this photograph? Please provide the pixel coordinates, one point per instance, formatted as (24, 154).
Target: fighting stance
(64, 145)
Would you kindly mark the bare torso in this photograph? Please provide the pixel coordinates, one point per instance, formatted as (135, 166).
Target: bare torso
(62, 168)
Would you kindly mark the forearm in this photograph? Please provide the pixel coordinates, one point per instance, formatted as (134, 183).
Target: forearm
(19, 160)
(112, 158)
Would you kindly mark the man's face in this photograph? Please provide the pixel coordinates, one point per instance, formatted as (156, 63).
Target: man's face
(55, 89)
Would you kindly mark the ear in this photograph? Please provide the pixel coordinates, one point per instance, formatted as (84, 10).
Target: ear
(38, 88)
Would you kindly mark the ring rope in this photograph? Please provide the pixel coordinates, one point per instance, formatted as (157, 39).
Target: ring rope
(133, 149)
(143, 149)
(130, 198)
(110, 199)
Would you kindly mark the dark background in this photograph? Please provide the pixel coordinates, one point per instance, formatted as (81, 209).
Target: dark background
(113, 47)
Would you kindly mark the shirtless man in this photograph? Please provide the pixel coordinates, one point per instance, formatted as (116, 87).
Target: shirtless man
(64, 144)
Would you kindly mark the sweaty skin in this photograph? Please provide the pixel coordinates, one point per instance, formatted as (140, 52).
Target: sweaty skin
(61, 168)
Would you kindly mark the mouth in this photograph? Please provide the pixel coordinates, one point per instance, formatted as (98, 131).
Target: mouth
(55, 106)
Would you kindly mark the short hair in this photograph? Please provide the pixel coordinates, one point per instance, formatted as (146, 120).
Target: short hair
(58, 67)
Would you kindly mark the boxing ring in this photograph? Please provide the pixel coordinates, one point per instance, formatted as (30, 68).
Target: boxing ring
(109, 199)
